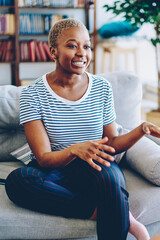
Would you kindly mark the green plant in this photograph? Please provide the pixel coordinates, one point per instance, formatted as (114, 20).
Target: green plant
(139, 12)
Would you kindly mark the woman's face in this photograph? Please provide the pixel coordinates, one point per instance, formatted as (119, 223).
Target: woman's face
(73, 51)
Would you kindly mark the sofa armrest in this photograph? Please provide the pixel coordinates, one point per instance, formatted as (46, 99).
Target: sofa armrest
(144, 157)
(156, 140)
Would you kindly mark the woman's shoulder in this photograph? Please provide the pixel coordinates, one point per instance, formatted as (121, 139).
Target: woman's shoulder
(35, 86)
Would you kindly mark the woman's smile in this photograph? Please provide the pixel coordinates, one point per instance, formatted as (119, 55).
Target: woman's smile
(79, 63)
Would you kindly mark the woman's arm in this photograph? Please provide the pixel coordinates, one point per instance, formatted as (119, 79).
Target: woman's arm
(88, 151)
(124, 142)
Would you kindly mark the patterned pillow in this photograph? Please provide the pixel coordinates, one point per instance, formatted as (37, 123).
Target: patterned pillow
(22, 154)
(120, 131)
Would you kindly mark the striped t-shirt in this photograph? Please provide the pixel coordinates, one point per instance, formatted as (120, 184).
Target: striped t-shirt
(68, 122)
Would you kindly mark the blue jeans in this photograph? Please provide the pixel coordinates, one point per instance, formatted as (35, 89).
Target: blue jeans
(75, 191)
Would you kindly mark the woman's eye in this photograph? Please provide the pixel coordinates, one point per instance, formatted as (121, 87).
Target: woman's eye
(72, 46)
(87, 47)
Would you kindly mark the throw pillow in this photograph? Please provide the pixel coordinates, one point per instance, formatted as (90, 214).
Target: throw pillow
(120, 131)
(22, 154)
(144, 158)
(114, 29)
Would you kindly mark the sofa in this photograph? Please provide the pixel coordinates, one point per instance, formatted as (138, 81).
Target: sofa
(140, 164)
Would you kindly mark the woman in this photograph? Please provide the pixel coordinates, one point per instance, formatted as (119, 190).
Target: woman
(69, 122)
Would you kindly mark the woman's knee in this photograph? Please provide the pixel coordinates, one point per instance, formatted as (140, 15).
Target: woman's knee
(113, 180)
(18, 181)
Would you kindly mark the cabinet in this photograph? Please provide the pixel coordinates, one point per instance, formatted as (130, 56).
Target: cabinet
(85, 11)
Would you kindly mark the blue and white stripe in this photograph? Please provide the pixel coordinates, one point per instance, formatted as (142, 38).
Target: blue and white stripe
(68, 122)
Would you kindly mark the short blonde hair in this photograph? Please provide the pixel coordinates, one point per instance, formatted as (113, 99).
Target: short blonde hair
(59, 27)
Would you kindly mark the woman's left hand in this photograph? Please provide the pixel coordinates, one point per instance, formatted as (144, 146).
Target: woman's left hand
(151, 129)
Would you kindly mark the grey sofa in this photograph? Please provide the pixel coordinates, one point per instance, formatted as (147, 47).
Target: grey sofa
(140, 165)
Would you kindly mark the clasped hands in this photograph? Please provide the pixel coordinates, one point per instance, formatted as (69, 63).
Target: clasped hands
(92, 150)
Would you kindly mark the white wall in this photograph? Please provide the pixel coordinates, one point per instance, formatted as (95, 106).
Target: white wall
(147, 70)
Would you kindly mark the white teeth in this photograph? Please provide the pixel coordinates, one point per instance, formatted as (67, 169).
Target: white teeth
(79, 63)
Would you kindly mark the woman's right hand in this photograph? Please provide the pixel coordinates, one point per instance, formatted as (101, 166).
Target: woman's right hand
(91, 150)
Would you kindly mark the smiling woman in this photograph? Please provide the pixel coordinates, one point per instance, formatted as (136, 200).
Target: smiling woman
(69, 121)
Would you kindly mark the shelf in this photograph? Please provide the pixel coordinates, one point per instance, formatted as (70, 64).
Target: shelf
(12, 62)
(50, 8)
(7, 35)
(6, 7)
(36, 62)
(33, 35)
(17, 67)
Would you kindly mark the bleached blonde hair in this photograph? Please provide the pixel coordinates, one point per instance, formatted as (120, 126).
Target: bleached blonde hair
(59, 27)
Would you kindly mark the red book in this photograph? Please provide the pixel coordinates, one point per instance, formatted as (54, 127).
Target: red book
(42, 51)
(46, 48)
(10, 51)
(26, 51)
(4, 51)
(38, 55)
(1, 49)
(21, 52)
(32, 51)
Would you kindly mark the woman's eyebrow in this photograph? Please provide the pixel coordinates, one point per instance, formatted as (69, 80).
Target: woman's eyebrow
(74, 40)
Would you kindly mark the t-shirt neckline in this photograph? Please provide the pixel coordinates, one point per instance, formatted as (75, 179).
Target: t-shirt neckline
(66, 101)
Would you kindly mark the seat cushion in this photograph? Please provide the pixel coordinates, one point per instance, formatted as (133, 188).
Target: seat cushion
(19, 223)
(144, 197)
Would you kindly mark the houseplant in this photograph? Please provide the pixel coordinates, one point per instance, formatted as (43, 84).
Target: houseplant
(138, 12)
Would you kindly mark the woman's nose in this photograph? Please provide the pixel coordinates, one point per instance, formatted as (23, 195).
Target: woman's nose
(81, 52)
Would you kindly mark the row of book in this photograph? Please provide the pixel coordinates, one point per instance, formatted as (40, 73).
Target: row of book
(6, 51)
(30, 51)
(37, 23)
(7, 23)
(6, 2)
(51, 3)
(34, 51)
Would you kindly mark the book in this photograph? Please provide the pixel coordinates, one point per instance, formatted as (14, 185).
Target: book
(4, 50)
(46, 48)
(37, 51)
(1, 49)
(10, 51)
(42, 51)
(32, 50)
(11, 24)
(21, 55)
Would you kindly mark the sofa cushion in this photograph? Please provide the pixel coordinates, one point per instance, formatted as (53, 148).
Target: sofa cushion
(11, 133)
(144, 157)
(20, 223)
(7, 167)
(127, 93)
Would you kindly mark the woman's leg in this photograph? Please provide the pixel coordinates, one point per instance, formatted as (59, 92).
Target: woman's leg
(107, 189)
(51, 193)
(137, 229)
(75, 191)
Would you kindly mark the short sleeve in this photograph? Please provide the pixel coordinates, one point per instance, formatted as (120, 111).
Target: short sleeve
(29, 107)
(109, 114)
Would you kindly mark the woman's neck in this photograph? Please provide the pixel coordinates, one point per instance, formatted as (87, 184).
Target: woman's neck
(66, 79)
(68, 87)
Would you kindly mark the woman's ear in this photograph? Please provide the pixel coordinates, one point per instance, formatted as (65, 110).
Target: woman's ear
(53, 52)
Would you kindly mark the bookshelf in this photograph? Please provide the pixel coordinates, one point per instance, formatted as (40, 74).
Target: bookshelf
(23, 32)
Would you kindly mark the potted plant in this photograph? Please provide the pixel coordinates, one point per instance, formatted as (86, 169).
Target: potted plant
(138, 12)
